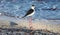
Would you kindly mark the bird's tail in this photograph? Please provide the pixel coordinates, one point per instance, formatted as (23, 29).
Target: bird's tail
(23, 17)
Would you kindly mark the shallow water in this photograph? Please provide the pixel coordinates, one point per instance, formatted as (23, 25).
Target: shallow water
(19, 8)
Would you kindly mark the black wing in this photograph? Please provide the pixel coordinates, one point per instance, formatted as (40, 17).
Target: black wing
(28, 12)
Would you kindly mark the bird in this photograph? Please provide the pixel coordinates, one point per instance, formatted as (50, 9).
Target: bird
(30, 12)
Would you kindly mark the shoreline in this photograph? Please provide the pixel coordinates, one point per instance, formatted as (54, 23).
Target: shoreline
(42, 24)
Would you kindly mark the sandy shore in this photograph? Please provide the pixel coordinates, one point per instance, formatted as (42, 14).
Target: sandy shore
(52, 25)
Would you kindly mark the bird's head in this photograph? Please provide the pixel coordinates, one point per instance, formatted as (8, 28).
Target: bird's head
(33, 6)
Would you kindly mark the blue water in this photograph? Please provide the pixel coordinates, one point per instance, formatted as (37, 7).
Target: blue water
(20, 7)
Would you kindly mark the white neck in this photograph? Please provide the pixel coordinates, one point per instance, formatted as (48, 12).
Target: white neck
(32, 8)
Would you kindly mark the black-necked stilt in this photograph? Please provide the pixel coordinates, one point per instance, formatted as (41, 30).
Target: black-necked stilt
(29, 13)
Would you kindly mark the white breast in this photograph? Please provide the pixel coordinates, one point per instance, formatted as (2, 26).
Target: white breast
(31, 14)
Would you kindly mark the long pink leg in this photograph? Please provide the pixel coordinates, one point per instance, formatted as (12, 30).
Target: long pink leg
(30, 22)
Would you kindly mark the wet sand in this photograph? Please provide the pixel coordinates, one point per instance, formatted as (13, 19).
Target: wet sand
(52, 25)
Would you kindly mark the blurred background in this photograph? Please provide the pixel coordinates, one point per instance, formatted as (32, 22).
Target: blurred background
(47, 13)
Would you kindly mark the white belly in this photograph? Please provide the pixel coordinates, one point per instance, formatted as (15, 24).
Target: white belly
(31, 14)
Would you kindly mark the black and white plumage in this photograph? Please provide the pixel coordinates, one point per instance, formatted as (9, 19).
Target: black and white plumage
(30, 12)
